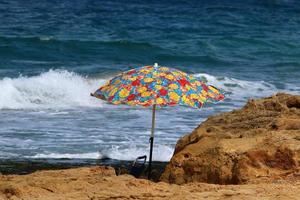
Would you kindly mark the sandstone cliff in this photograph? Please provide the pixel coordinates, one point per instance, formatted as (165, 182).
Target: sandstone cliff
(258, 143)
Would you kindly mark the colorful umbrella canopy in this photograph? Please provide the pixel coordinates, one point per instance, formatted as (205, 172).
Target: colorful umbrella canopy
(161, 86)
(157, 86)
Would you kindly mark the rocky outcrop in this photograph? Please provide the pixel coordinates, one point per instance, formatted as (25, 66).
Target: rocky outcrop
(258, 143)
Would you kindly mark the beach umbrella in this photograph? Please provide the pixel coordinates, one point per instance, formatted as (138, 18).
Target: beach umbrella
(157, 86)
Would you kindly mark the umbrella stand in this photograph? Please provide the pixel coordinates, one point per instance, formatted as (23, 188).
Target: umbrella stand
(151, 140)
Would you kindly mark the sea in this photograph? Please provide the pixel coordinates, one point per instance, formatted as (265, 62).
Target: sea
(53, 54)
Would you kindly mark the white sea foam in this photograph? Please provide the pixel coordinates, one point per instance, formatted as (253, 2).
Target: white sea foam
(53, 89)
(45, 38)
(239, 89)
(292, 88)
(8, 155)
(90, 155)
(160, 153)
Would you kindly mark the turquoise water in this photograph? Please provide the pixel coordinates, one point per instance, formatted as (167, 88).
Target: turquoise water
(53, 54)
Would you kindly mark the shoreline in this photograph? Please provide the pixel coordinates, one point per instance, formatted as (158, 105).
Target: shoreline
(28, 166)
(227, 156)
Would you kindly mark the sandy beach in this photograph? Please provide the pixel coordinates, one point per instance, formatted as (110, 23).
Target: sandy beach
(101, 183)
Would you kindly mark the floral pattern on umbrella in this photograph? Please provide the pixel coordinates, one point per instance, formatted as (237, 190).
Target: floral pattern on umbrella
(158, 85)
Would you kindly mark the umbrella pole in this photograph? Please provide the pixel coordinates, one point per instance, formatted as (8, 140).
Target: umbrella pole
(151, 140)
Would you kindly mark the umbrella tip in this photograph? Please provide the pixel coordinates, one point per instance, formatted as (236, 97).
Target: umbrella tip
(155, 65)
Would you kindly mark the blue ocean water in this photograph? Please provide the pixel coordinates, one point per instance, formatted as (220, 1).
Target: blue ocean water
(54, 53)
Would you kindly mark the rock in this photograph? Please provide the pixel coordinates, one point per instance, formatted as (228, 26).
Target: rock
(258, 143)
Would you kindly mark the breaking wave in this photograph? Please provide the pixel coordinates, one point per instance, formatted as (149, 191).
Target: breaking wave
(52, 89)
(64, 89)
